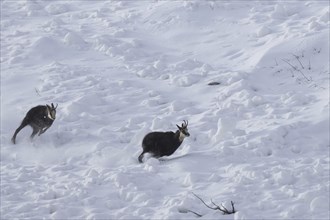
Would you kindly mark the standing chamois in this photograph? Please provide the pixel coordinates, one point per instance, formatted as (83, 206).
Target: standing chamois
(164, 143)
(40, 118)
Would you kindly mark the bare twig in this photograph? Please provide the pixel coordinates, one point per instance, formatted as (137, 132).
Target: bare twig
(296, 69)
(233, 207)
(298, 58)
(37, 91)
(221, 208)
(309, 80)
(188, 210)
(205, 203)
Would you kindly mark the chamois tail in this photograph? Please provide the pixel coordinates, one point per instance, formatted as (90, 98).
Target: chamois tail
(23, 124)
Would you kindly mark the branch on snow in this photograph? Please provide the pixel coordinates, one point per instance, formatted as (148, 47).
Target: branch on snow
(220, 207)
(37, 91)
(296, 69)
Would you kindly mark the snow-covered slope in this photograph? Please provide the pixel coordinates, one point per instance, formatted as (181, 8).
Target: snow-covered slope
(120, 69)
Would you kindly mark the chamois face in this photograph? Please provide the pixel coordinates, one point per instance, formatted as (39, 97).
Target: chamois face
(51, 111)
(183, 130)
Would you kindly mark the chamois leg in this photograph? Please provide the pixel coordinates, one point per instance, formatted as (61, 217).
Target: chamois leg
(35, 131)
(43, 131)
(141, 157)
(23, 124)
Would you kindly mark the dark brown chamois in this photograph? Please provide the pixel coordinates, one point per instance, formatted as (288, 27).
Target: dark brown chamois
(40, 118)
(164, 143)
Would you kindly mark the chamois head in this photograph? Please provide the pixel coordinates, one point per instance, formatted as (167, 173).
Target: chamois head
(51, 111)
(183, 129)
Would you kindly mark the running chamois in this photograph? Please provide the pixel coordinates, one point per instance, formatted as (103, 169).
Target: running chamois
(164, 143)
(40, 118)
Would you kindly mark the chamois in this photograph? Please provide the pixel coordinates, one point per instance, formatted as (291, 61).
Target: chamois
(40, 118)
(164, 143)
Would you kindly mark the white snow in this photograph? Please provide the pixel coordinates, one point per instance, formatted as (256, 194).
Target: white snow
(120, 69)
